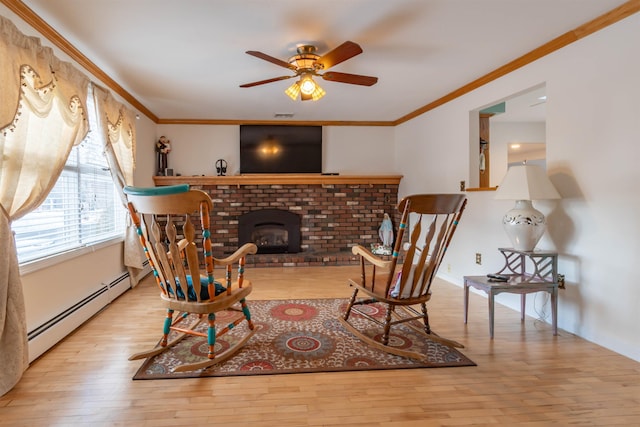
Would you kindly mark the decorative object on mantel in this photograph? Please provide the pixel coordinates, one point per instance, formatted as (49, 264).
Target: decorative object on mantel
(163, 147)
(524, 224)
(221, 167)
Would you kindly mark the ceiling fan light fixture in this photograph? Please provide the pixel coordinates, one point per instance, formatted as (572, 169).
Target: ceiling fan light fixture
(307, 85)
(306, 88)
(318, 93)
(293, 91)
(307, 64)
(306, 58)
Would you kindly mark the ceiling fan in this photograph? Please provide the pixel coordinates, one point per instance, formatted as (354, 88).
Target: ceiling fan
(307, 64)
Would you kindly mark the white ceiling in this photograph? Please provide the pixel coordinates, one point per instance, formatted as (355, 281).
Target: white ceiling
(185, 59)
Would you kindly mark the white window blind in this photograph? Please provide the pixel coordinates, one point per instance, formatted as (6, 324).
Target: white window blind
(82, 209)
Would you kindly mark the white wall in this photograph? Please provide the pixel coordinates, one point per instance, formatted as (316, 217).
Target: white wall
(432, 152)
(195, 148)
(592, 131)
(145, 152)
(353, 150)
(346, 149)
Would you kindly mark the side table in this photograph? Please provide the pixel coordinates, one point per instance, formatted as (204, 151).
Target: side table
(544, 277)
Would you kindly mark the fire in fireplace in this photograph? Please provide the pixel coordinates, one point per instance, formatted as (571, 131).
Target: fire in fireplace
(274, 231)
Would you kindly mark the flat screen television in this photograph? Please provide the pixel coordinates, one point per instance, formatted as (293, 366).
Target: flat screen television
(280, 149)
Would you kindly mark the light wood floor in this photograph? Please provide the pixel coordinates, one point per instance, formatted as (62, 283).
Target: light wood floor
(524, 376)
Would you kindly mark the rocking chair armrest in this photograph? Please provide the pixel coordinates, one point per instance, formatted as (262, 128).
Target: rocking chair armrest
(367, 255)
(244, 250)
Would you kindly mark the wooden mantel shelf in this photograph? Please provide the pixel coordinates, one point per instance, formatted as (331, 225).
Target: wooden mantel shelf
(277, 179)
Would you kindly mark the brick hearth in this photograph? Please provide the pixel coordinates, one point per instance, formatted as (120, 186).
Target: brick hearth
(335, 215)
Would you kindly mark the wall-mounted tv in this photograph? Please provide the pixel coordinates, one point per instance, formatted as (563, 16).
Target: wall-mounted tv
(280, 149)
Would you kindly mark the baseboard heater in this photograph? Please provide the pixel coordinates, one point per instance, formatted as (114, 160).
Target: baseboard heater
(77, 306)
(65, 314)
(55, 329)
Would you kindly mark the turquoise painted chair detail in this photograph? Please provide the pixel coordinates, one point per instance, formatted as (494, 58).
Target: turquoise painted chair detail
(179, 251)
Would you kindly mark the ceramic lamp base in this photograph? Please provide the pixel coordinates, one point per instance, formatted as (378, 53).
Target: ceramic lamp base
(524, 225)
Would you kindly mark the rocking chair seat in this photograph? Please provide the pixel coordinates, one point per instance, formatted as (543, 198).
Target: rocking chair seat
(191, 293)
(222, 302)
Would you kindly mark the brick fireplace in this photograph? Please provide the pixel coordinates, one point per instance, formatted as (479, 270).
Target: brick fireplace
(335, 212)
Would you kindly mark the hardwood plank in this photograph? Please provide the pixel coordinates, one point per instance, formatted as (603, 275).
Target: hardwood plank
(525, 375)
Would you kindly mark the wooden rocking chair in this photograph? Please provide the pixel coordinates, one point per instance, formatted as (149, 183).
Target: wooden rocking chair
(435, 218)
(177, 258)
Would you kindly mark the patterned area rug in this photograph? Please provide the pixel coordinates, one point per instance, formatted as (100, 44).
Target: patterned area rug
(296, 336)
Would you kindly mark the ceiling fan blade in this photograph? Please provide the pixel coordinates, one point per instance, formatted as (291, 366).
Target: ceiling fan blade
(343, 52)
(261, 82)
(272, 59)
(354, 79)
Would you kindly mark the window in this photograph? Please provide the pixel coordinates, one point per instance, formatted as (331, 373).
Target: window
(83, 208)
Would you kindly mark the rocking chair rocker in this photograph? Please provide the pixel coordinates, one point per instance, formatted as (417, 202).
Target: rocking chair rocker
(177, 260)
(410, 286)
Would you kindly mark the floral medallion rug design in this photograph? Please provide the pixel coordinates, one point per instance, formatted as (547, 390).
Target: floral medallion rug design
(296, 336)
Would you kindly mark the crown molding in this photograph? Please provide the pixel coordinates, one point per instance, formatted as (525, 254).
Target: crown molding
(272, 122)
(623, 11)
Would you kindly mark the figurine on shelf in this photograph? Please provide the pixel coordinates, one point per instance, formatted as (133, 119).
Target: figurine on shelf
(163, 147)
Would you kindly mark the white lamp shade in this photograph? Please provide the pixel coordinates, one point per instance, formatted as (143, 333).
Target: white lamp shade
(526, 182)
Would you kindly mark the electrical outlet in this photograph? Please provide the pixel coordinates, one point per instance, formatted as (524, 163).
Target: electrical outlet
(448, 268)
(463, 186)
(478, 258)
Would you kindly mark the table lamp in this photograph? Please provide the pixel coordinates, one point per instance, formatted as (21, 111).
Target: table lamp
(524, 224)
